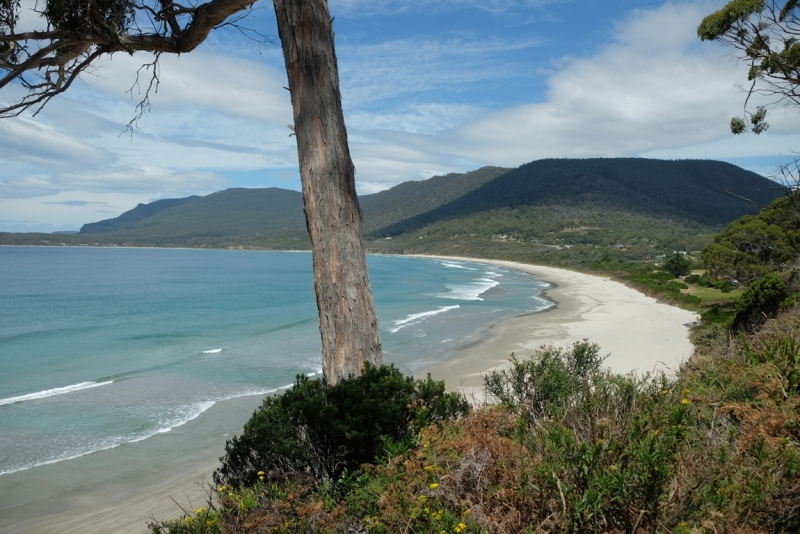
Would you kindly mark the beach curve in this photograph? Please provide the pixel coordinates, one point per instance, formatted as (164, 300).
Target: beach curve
(639, 333)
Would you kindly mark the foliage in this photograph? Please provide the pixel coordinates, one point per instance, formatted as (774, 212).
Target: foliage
(109, 17)
(766, 35)
(550, 377)
(714, 449)
(677, 265)
(761, 301)
(326, 430)
(754, 245)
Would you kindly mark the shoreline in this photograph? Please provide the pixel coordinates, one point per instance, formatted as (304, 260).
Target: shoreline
(638, 333)
(120, 489)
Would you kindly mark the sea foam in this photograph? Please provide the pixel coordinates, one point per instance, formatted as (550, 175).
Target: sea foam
(416, 318)
(471, 291)
(53, 392)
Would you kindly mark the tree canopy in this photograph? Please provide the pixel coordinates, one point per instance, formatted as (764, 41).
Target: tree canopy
(752, 246)
(79, 32)
(766, 34)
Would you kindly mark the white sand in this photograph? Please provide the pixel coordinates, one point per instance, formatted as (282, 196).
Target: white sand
(640, 333)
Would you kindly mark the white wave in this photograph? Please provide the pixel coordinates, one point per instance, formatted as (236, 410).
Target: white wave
(212, 351)
(471, 291)
(455, 265)
(192, 412)
(416, 318)
(52, 392)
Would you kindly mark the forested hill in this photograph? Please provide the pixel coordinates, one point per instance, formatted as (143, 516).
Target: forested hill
(233, 214)
(554, 202)
(709, 193)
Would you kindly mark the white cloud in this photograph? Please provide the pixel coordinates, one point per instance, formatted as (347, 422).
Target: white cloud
(655, 91)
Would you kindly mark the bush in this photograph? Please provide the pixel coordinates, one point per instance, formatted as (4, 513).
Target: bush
(550, 378)
(761, 301)
(692, 279)
(327, 430)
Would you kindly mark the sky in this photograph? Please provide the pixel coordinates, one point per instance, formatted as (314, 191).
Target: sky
(429, 87)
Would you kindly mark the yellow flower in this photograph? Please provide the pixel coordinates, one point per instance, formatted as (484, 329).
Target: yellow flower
(467, 511)
(437, 515)
(655, 432)
(686, 391)
(188, 519)
(199, 511)
(260, 473)
(428, 468)
(665, 392)
(685, 401)
(460, 527)
(434, 485)
(261, 478)
(422, 498)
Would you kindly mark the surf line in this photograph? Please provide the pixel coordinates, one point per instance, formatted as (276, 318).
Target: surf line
(53, 392)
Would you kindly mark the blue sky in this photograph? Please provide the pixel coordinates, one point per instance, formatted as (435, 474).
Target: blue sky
(428, 87)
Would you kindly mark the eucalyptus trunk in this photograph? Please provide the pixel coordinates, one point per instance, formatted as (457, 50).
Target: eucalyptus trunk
(347, 320)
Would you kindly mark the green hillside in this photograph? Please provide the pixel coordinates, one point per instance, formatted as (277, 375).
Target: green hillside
(567, 207)
(709, 193)
(410, 199)
(129, 219)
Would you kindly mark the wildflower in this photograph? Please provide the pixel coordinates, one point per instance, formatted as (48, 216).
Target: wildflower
(686, 391)
(467, 511)
(188, 519)
(683, 524)
(261, 478)
(434, 485)
(437, 515)
(199, 511)
(664, 392)
(655, 432)
(422, 499)
(230, 494)
(460, 527)
(685, 401)
(260, 473)
(428, 468)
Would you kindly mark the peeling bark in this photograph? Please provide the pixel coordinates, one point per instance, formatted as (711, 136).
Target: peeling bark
(348, 323)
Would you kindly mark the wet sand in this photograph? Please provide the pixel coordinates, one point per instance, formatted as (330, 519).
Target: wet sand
(118, 490)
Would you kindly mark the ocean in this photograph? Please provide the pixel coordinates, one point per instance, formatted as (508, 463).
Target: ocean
(105, 346)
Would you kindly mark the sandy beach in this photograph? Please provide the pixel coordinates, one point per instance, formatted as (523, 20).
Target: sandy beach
(638, 333)
(118, 490)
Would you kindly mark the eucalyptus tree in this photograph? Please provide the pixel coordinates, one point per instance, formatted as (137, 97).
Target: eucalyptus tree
(765, 35)
(77, 33)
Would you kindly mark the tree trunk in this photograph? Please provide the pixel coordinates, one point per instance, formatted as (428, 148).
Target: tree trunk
(347, 320)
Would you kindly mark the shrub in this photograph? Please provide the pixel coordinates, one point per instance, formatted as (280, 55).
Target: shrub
(761, 301)
(327, 430)
(547, 379)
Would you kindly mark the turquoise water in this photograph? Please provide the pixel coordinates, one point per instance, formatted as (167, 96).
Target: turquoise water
(103, 346)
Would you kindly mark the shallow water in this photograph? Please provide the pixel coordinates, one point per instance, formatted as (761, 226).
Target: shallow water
(102, 346)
